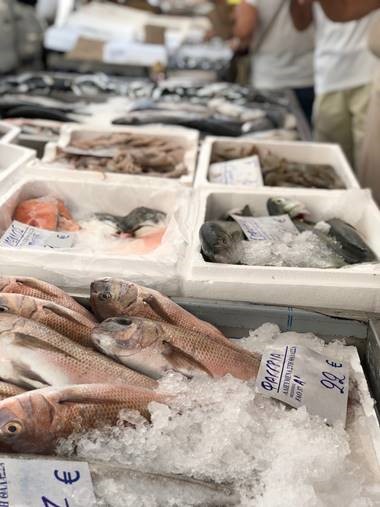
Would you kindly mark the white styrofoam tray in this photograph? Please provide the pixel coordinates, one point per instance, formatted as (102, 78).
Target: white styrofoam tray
(305, 152)
(8, 132)
(13, 159)
(349, 288)
(187, 138)
(74, 269)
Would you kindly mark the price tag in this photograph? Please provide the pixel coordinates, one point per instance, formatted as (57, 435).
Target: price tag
(243, 171)
(266, 228)
(19, 235)
(45, 483)
(301, 377)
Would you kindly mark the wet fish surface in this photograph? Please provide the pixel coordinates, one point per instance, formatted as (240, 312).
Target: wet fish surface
(7, 390)
(33, 287)
(33, 422)
(154, 348)
(111, 297)
(33, 356)
(67, 322)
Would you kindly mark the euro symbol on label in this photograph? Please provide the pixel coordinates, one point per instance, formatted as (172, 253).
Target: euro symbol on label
(66, 477)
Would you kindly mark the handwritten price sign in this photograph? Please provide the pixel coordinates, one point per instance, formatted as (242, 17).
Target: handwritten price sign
(298, 376)
(45, 483)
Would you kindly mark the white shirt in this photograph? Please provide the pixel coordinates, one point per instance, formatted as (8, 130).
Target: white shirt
(342, 58)
(284, 59)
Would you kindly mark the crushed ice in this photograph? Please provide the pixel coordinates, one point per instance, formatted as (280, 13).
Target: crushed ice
(220, 432)
(305, 250)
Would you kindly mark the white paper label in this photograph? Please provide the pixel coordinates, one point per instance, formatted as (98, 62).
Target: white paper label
(19, 235)
(243, 171)
(266, 228)
(300, 377)
(45, 483)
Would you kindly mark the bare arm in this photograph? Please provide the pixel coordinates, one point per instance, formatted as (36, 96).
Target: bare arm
(302, 14)
(348, 10)
(245, 21)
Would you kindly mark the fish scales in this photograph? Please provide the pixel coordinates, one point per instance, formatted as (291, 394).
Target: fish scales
(39, 356)
(63, 320)
(37, 288)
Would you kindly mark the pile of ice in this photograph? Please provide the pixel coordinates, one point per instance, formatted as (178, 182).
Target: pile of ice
(219, 431)
(305, 250)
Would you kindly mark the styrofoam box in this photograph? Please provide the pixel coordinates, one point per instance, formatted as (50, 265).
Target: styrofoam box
(305, 152)
(187, 138)
(349, 288)
(8, 132)
(12, 160)
(73, 269)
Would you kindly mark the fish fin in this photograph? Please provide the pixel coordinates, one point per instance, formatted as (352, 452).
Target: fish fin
(28, 378)
(29, 341)
(33, 283)
(181, 361)
(63, 312)
(157, 307)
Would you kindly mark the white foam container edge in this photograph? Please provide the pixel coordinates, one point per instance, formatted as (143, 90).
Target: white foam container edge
(349, 288)
(74, 270)
(13, 160)
(9, 133)
(187, 137)
(296, 151)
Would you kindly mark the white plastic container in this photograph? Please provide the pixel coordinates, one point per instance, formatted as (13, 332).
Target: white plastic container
(311, 153)
(13, 159)
(350, 288)
(8, 132)
(74, 269)
(184, 137)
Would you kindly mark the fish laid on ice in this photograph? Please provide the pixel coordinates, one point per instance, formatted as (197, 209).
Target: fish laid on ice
(7, 390)
(219, 241)
(154, 348)
(139, 221)
(32, 355)
(112, 297)
(33, 422)
(67, 322)
(45, 213)
(42, 290)
(341, 236)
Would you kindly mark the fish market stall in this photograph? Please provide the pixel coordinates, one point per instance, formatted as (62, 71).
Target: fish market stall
(243, 163)
(71, 228)
(209, 440)
(279, 258)
(143, 154)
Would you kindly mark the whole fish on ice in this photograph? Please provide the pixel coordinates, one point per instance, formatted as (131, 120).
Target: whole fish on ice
(32, 355)
(111, 297)
(67, 322)
(33, 422)
(154, 348)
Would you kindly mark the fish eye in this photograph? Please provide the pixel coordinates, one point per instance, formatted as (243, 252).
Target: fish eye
(123, 321)
(4, 308)
(12, 428)
(104, 296)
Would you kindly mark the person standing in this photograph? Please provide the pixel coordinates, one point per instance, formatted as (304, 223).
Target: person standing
(281, 57)
(344, 70)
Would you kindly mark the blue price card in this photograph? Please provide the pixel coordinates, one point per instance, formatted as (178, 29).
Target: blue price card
(45, 483)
